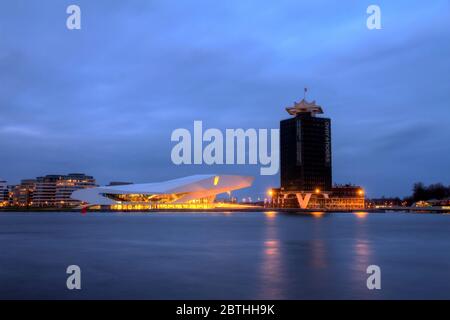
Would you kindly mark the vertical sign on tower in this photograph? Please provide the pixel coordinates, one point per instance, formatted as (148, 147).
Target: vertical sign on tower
(327, 144)
(299, 142)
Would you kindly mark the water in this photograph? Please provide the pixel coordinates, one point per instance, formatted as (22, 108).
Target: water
(224, 256)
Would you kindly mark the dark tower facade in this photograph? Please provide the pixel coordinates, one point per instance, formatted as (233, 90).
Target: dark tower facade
(305, 149)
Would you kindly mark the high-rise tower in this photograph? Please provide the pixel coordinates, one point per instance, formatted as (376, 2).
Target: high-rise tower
(305, 149)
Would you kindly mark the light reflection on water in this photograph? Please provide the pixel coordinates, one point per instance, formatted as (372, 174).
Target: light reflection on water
(271, 267)
(361, 214)
(361, 246)
(362, 254)
(318, 254)
(318, 214)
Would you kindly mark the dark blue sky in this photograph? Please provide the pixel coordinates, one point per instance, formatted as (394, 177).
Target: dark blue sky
(104, 99)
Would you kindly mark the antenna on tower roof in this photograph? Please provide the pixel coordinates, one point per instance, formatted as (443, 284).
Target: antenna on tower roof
(304, 93)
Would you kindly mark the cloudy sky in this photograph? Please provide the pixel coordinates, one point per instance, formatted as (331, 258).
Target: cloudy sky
(105, 99)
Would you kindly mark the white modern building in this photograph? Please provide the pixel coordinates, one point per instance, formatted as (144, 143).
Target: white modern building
(193, 192)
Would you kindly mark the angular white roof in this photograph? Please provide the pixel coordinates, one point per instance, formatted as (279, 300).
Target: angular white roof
(194, 187)
(159, 187)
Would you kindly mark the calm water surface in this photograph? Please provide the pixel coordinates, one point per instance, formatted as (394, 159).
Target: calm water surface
(224, 256)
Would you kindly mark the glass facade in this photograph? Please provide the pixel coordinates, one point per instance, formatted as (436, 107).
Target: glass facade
(305, 153)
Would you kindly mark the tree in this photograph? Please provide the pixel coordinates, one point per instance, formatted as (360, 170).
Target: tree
(433, 191)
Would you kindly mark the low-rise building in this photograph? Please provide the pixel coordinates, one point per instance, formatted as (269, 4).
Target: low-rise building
(56, 190)
(46, 191)
(385, 203)
(66, 185)
(22, 194)
(4, 196)
(340, 197)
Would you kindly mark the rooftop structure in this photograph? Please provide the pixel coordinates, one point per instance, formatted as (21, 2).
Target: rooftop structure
(304, 107)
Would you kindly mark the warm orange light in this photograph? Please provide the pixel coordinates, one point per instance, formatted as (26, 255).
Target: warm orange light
(216, 180)
(361, 214)
(270, 214)
(317, 214)
(317, 190)
(270, 193)
(360, 192)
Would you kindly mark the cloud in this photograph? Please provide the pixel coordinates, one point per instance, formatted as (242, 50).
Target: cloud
(18, 130)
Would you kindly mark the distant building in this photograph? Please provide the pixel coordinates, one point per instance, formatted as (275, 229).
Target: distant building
(306, 164)
(4, 196)
(55, 190)
(11, 188)
(23, 193)
(45, 194)
(385, 203)
(68, 184)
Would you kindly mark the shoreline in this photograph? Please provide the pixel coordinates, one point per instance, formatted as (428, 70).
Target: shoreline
(225, 210)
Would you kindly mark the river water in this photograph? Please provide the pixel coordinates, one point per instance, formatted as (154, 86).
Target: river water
(224, 255)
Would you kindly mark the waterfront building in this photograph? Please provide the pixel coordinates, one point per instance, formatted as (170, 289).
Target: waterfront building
(340, 197)
(306, 164)
(385, 203)
(3, 193)
(305, 149)
(193, 192)
(55, 190)
(10, 188)
(68, 184)
(45, 191)
(23, 193)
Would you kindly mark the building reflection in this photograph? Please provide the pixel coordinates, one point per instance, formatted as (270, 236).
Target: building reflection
(362, 250)
(272, 274)
(316, 256)
(362, 253)
(317, 214)
(318, 250)
(361, 214)
(270, 214)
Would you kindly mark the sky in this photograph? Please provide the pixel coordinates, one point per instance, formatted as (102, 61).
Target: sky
(105, 99)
